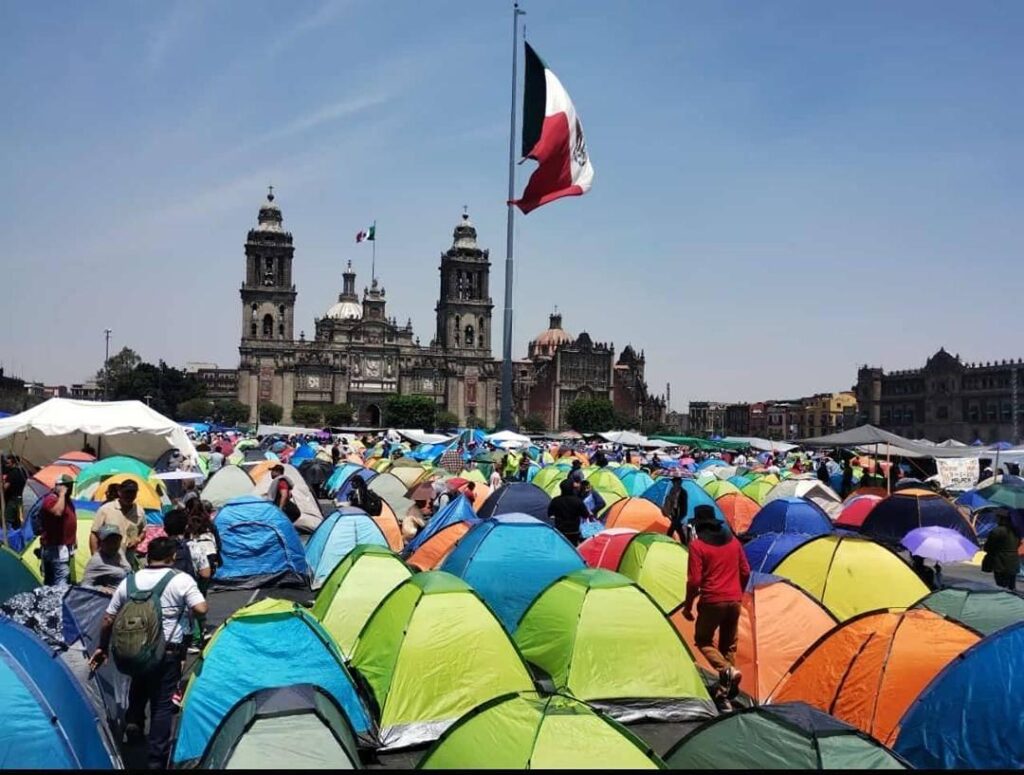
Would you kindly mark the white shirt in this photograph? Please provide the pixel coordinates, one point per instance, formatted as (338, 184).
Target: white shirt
(180, 595)
(495, 480)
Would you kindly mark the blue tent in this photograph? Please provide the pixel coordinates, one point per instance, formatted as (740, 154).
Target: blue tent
(301, 453)
(340, 476)
(973, 501)
(259, 546)
(968, 717)
(790, 515)
(338, 535)
(49, 723)
(517, 498)
(345, 491)
(427, 451)
(766, 551)
(267, 644)
(509, 559)
(636, 482)
(456, 510)
(895, 516)
(695, 496)
(835, 481)
(711, 462)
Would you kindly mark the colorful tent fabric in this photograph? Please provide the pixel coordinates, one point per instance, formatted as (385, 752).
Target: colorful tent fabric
(607, 483)
(517, 498)
(49, 722)
(339, 534)
(758, 489)
(851, 575)
(531, 731)
(719, 487)
(149, 496)
(739, 511)
(432, 553)
(266, 644)
(227, 483)
(855, 510)
(635, 481)
(604, 550)
(340, 475)
(392, 491)
(431, 652)
(658, 565)
(790, 515)
(766, 551)
(778, 623)
(695, 496)
(458, 509)
(108, 466)
(869, 670)
(509, 559)
(302, 495)
(258, 546)
(602, 639)
(901, 512)
(789, 736)
(982, 608)
(810, 489)
(969, 717)
(15, 575)
(638, 514)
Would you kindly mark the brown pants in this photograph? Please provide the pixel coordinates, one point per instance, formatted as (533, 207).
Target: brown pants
(725, 618)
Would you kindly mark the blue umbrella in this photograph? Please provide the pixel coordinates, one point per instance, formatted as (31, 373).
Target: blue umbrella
(939, 543)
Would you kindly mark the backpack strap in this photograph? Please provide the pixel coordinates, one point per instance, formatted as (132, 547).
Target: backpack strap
(133, 588)
(161, 585)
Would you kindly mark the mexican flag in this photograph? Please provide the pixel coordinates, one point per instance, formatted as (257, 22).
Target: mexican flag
(369, 233)
(553, 136)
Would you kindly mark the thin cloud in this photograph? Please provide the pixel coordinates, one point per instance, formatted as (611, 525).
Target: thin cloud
(333, 112)
(325, 15)
(183, 17)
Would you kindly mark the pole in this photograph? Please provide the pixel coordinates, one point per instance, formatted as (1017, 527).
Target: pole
(373, 255)
(888, 473)
(3, 503)
(506, 349)
(106, 363)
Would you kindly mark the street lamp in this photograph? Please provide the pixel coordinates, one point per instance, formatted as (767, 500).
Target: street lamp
(106, 363)
(147, 397)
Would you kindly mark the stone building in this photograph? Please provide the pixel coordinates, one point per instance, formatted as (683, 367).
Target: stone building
(946, 399)
(707, 418)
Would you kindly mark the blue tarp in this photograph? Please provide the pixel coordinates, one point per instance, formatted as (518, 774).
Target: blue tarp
(338, 535)
(766, 551)
(968, 717)
(49, 723)
(457, 510)
(509, 559)
(258, 546)
(517, 498)
(790, 515)
(695, 496)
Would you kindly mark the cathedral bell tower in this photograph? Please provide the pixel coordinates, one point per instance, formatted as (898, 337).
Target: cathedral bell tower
(464, 307)
(268, 296)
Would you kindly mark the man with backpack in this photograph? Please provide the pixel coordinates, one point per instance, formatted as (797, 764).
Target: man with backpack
(144, 631)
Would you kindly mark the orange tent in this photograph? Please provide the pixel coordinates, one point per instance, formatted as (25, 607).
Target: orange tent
(638, 513)
(389, 526)
(51, 473)
(77, 456)
(432, 552)
(778, 622)
(257, 471)
(869, 670)
(480, 493)
(881, 492)
(739, 511)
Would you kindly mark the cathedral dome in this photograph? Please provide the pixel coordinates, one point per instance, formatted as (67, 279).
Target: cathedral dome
(550, 340)
(345, 310)
(270, 215)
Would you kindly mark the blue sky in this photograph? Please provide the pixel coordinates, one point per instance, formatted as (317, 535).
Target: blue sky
(783, 190)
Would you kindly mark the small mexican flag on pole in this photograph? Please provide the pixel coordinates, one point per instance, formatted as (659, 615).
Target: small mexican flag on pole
(369, 233)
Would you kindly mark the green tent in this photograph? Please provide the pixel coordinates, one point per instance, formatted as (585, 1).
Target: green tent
(356, 586)
(984, 609)
(528, 731)
(758, 489)
(431, 652)
(659, 566)
(788, 736)
(608, 484)
(118, 464)
(720, 487)
(16, 576)
(549, 478)
(296, 727)
(602, 639)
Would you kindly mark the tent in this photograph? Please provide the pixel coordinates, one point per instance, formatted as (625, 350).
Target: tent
(658, 565)
(15, 575)
(969, 717)
(309, 508)
(109, 466)
(227, 483)
(789, 736)
(432, 553)
(298, 727)
(258, 546)
(149, 497)
(869, 670)
(778, 623)
(851, 575)
(339, 534)
(739, 511)
(905, 510)
(264, 645)
(635, 481)
(431, 652)
(638, 514)
(517, 498)
(603, 640)
(982, 608)
(809, 489)
(340, 476)
(607, 483)
(695, 496)
(315, 473)
(45, 431)
(758, 489)
(768, 549)
(790, 515)
(855, 510)
(458, 509)
(49, 723)
(719, 487)
(527, 730)
(354, 589)
(604, 550)
(392, 491)
(508, 559)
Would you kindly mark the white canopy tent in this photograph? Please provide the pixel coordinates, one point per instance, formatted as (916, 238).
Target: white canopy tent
(762, 445)
(509, 438)
(44, 432)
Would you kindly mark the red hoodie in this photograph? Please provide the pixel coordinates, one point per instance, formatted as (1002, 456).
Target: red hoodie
(717, 573)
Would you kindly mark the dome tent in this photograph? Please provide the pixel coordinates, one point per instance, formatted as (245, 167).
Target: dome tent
(695, 496)
(603, 640)
(302, 495)
(855, 511)
(869, 670)
(788, 736)
(508, 559)
(531, 731)
(637, 513)
(810, 489)
(356, 586)
(431, 652)
(905, 510)
(227, 483)
(458, 509)
(340, 476)
(517, 498)
(284, 727)
(790, 515)
(739, 511)
(604, 549)
(259, 546)
(435, 550)
(659, 566)
(256, 649)
(339, 534)
(768, 549)
(983, 608)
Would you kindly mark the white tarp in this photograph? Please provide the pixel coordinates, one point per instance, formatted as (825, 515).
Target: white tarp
(958, 473)
(508, 437)
(44, 432)
(625, 438)
(421, 437)
(764, 445)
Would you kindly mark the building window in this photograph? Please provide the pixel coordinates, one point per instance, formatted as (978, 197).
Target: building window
(1007, 411)
(470, 339)
(908, 416)
(990, 411)
(252, 330)
(280, 330)
(942, 413)
(973, 413)
(268, 326)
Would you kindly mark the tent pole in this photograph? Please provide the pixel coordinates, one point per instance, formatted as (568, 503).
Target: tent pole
(888, 474)
(3, 509)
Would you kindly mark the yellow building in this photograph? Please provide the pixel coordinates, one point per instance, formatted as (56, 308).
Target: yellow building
(824, 413)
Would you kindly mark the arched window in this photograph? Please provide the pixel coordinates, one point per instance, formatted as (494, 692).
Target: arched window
(470, 341)
(280, 330)
(254, 312)
(268, 326)
(252, 329)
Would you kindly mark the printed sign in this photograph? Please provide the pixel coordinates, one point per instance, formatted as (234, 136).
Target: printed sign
(957, 473)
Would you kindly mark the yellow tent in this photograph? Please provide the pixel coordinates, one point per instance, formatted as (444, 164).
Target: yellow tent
(148, 498)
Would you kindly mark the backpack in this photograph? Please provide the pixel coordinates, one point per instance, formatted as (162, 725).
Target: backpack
(373, 506)
(137, 642)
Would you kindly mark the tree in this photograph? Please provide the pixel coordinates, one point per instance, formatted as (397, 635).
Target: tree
(446, 419)
(118, 366)
(475, 422)
(534, 423)
(339, 414)
(162, 387)
(270, 412)
(194, 410)
(591, 415)
(308, 415)
(410, 411)
(228, 411)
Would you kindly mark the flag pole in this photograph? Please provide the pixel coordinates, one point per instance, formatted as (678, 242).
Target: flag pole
(373, 255)
(506, 349)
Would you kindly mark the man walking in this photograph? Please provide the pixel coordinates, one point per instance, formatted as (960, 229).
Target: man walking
(13, 479)
(718, 574)
(127, 515)
(567, 510)
(675, 507)
(60, 533)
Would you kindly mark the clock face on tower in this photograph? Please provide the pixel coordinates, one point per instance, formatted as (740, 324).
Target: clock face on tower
(313, 381)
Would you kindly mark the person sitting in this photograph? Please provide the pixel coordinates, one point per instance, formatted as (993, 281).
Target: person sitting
(926, 574)
(107, 567)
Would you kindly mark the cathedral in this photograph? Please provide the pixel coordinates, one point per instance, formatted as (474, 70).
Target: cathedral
(359, 355)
